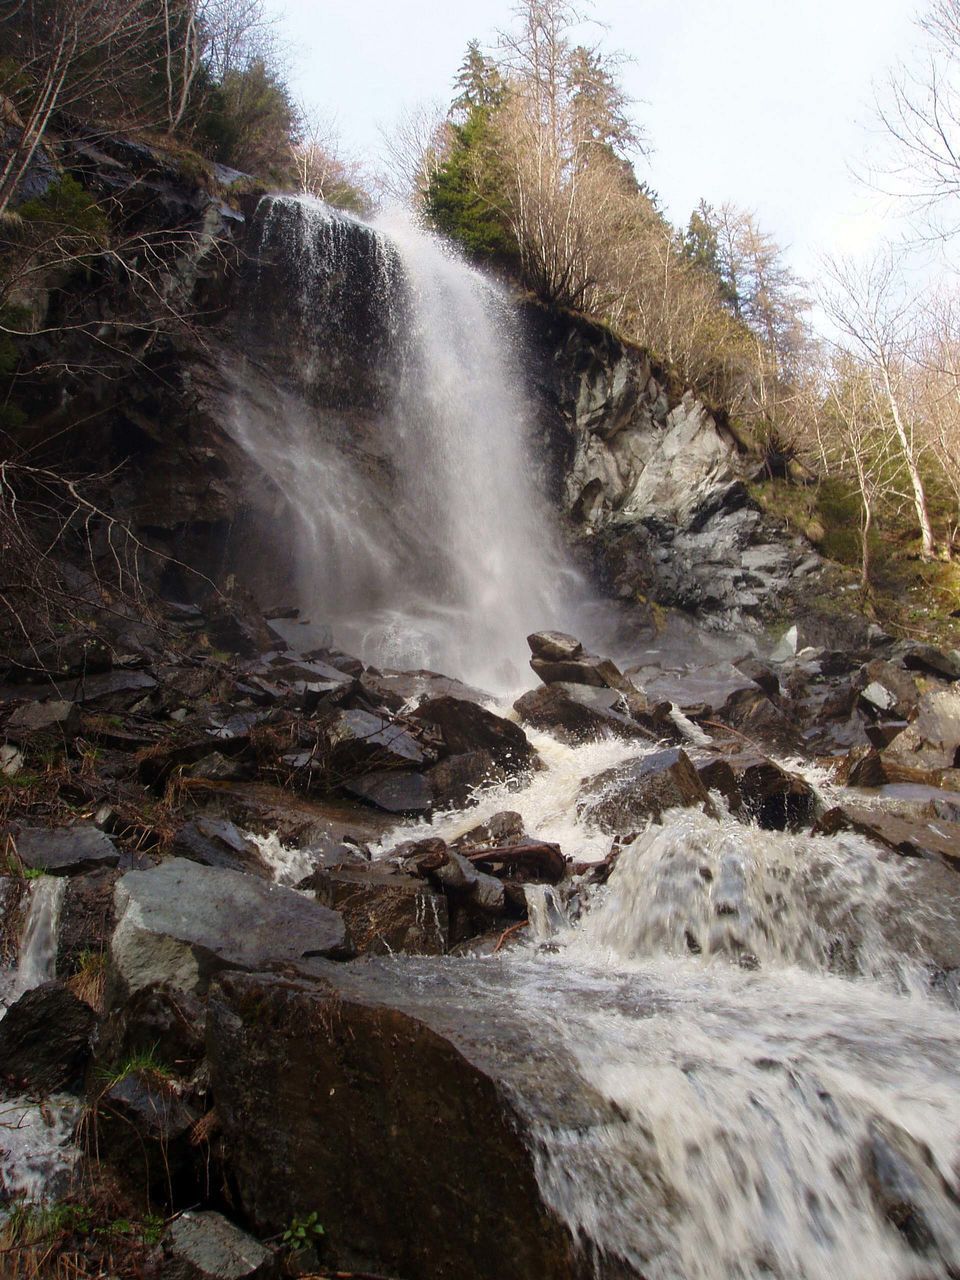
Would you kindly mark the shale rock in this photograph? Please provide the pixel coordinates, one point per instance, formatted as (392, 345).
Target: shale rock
(63, 851)
(180, 923)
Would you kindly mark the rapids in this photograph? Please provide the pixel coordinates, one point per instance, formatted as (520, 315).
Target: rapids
(753, 1009)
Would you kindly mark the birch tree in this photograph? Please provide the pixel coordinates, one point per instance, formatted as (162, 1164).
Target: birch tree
(869, 307)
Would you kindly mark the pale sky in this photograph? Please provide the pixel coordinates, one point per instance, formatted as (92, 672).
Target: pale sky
(763, 102)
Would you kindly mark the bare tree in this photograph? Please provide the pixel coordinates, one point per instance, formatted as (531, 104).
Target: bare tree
(869, 307)
(414, 148)
(920, 111)
(855, 440)
(61, 56)
(321, 168)
(238, 32)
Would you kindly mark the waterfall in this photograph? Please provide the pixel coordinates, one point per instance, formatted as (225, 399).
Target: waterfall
(400, 440)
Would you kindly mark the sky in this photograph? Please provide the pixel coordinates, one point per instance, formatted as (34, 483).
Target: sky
(765, 103)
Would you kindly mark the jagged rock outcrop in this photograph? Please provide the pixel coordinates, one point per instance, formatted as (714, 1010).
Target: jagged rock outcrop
(652, 480)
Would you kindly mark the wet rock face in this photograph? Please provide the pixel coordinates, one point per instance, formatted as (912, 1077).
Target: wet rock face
(623, 800)
(309, 1081)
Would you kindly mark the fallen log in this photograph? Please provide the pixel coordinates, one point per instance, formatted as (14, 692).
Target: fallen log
(534, 860)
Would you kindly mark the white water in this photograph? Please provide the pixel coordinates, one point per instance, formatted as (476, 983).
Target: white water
(426, 542)
(753, 1090)
(37, 1156)
(37, 947)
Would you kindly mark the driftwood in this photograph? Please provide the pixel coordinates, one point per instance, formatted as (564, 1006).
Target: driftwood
(533, 860)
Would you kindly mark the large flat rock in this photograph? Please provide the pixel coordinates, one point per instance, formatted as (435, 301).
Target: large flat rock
(180, 922)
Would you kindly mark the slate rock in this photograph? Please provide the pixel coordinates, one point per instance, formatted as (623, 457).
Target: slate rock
(205, 1245)
(54, 716)
(180, 923)
(63, 851)
(359, 740)
(394, 791)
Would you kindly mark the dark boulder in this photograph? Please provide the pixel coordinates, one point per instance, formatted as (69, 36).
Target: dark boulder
(579, 713)
(465, 727)
(763, 792)
(46, 1039)
(455, 781)
(310, 1078)
(385, 911)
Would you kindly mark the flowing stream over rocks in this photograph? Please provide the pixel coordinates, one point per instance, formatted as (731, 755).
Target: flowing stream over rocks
(768, 1078)
(423, 539)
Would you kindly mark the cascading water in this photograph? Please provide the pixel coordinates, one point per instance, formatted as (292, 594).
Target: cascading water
(38, 942)
(37, 1157)
(774, 1081)
(401, 446)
